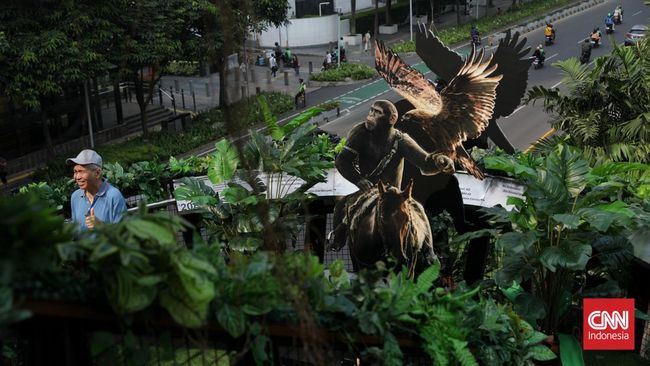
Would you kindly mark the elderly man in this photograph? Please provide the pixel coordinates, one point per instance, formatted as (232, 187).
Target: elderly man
(95, 201)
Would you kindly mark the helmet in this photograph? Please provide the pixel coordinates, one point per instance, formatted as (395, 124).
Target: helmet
(609, 14)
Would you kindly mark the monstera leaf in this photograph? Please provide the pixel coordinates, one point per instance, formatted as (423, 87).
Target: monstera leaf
(224, 164)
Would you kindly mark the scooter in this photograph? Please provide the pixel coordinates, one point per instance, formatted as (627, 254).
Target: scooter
(617, 19)
(476, 40)
(584, 58)
(609, 28)
(537, 63)
(549, 40)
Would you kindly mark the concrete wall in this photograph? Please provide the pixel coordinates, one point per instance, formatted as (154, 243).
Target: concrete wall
(346, 6)
(304, 32)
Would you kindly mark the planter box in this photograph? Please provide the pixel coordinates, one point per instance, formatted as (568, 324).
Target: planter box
(388, 29)
(352, 40)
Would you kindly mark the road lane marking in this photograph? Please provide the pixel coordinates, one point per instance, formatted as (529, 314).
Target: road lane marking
(551, 56)
(547, 134)
(556, 84)
(638, 12)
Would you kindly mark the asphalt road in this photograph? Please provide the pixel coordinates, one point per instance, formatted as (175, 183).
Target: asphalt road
(527, 123)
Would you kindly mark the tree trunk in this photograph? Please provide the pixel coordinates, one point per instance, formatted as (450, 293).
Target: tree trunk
(376, 30)
(117, 99)
(389, 19)
(353, 19)
(223, 81)
(458, 12)
(142, 102)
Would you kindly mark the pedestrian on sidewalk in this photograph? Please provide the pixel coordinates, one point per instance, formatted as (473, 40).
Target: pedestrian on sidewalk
(273, 65)
(96, 201)
(296, 64)
(278, 51)
(366, 41)
(302, 88)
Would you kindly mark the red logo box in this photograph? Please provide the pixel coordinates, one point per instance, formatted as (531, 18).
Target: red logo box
(608, 324)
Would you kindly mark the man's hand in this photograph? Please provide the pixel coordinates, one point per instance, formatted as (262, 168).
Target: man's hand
(443, 162)
(91, 220)
(364, 184)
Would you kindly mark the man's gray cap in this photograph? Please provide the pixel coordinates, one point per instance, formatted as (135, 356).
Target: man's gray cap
(86, 157)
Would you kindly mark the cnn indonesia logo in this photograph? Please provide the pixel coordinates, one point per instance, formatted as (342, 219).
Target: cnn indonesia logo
(608, 324)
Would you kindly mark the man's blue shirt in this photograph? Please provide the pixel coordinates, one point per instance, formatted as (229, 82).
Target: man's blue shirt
(109, 205)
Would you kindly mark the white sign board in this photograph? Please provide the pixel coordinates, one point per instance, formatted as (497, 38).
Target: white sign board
(488, 192)
(334, 185)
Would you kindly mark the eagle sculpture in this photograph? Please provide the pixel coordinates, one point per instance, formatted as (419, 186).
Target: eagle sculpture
(510, 59)
(460, 111)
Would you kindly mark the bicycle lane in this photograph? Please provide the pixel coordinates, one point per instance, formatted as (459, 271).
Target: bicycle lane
(376, 88)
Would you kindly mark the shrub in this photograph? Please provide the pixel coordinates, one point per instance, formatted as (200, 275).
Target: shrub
(182, 68)
(352, 71)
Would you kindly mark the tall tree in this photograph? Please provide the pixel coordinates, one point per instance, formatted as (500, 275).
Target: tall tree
(376, 27)
(148, 34)
(606, 109)
(50, 47)
(226, 24)
(389, 18)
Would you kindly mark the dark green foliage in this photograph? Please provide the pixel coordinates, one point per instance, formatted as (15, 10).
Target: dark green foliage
(29, 229)
(140, 261)
(48, 46)
(352, 71)
(605, 110)
(570, 226)
(181, 68)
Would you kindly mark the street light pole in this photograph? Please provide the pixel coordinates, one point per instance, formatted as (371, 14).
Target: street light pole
(320, 10)
(411, 18)
(338, 36)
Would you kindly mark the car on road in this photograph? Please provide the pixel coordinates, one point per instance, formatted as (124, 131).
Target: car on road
(635, 34)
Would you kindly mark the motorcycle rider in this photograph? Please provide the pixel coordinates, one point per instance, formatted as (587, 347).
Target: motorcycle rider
(549, 31)
(476, 37)
(609, 21)
(540, 54)
(618, 14)
(595, 36)
(585, 54)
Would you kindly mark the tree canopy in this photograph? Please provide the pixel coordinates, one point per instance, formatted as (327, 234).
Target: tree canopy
(606, 109)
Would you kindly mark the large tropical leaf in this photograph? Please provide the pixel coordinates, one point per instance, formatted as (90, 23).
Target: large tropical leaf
(224, 163)
(569, 254)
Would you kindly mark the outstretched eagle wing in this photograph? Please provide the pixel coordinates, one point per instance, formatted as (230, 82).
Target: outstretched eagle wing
(442, 61)
(512, 64)
(405, 80)
(468, 100)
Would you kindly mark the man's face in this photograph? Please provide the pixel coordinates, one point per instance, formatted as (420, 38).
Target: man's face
(376, 118)
(86, 176)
